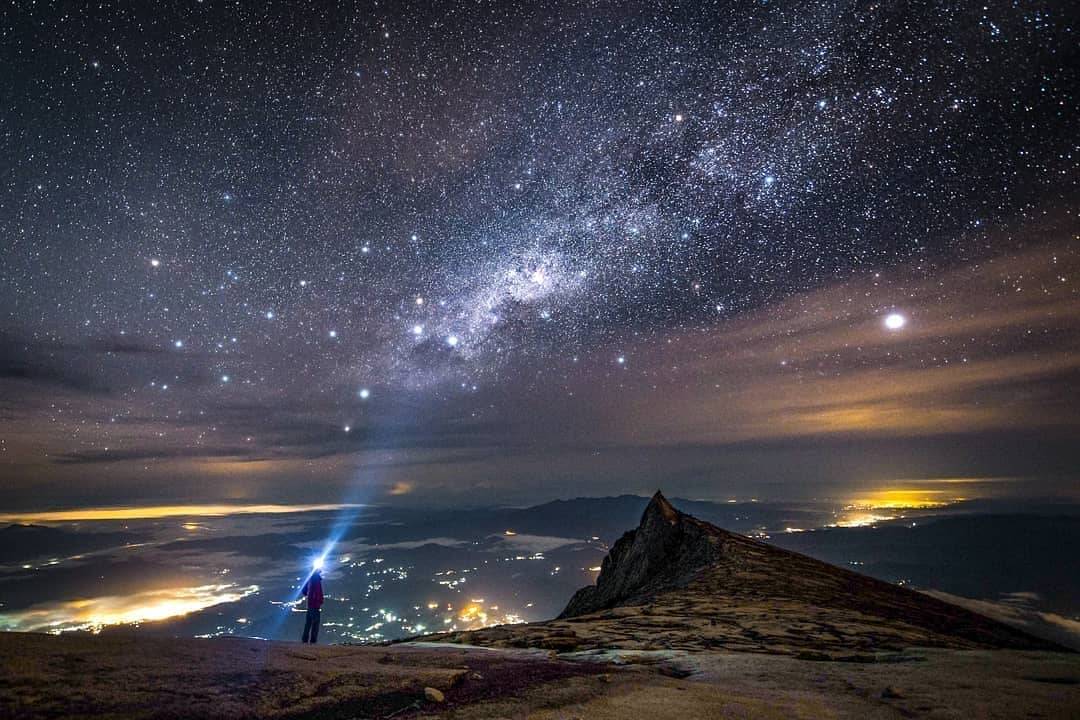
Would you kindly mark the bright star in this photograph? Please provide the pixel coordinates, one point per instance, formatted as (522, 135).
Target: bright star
(895, 321)
(452, 341)
(364, 393)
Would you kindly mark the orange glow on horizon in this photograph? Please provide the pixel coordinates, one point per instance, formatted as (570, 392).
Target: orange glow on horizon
(897, 499)
(474, 615)
(861, 519)
(163, 511)
(882, 505)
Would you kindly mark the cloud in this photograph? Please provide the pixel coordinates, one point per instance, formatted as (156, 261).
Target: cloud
(1048, 626)
(359, 548)
(94, 365)
(532, 543)
(990, 346)
(27, 361)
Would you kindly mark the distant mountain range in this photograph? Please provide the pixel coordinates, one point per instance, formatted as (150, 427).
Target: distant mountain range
(20, 543)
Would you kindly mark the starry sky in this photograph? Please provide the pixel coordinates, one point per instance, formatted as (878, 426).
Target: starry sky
(459, 253)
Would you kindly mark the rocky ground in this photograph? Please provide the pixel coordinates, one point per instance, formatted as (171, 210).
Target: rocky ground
(71, 676)
(80, 676)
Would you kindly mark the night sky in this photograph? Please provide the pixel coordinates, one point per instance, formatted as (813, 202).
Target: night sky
(468, 253)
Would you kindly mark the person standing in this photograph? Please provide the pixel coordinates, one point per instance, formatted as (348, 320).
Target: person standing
(313, 591)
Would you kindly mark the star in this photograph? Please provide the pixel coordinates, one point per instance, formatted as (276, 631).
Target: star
(895, 321)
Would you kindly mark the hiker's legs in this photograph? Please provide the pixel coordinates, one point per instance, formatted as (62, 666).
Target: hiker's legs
(307, 627)
(316, 620)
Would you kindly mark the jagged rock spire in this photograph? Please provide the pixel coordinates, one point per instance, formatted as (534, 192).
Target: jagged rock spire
(665, 549)
(659, 505)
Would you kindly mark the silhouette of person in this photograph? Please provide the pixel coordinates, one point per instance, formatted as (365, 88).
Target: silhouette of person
(313, 591)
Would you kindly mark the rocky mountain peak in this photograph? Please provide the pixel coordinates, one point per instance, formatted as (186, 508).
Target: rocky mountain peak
(660, 506)
(665, 550)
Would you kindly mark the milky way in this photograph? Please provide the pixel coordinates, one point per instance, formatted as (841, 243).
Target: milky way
(247, 231)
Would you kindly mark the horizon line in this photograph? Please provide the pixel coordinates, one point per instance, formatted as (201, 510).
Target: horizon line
(153, 512)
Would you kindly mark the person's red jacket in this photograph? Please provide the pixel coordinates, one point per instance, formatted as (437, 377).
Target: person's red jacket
(313, 592)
